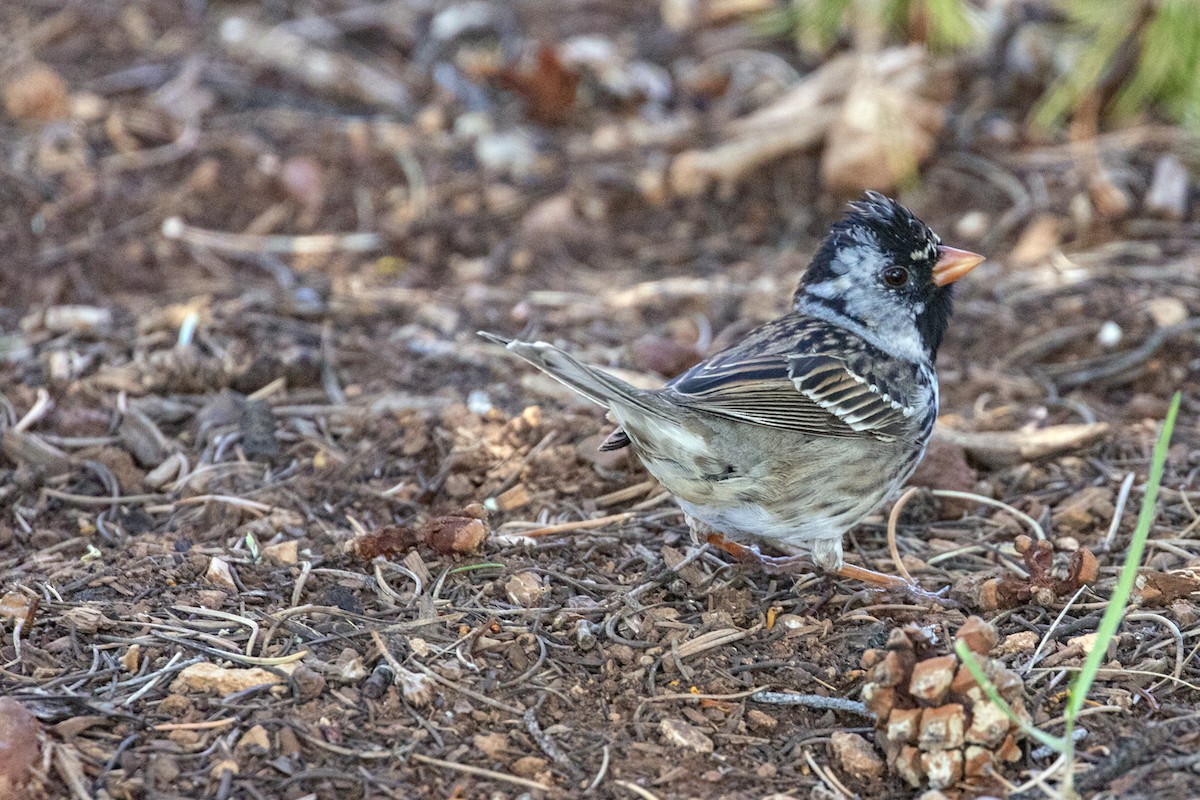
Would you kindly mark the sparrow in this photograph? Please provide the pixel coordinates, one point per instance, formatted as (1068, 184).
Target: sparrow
(800, 430)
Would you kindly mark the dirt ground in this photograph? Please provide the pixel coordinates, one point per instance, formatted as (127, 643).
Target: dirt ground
(274, 522)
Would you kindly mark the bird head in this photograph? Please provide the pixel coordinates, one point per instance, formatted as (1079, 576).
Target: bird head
(883, 269)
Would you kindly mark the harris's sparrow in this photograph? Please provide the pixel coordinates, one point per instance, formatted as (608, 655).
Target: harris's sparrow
(797, 432)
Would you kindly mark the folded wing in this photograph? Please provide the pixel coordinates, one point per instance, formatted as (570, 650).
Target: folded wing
(807, 390)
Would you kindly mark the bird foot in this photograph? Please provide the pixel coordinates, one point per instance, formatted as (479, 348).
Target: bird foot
(776, 565)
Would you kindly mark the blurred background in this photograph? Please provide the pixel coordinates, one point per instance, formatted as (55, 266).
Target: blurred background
(650, 174)
(480, 143)
(244, 249)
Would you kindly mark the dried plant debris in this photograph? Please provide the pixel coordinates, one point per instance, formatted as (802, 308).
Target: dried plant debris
(934, 723)
(462, 533)
(1051, 576)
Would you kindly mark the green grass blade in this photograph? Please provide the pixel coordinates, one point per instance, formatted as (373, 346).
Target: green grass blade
(967, 657)
(1133, 559)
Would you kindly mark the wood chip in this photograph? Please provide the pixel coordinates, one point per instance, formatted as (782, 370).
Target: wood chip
(1007, 448)
(680, 734)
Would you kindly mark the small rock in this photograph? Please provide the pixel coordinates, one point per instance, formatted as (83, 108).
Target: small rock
(254, 742)
(349, 666)
(309, 683)
(507, 153)
(1166, 311)
(185, 738)
(70, 319)
(972, 226)
(492, 745)
(514, 498)
(220, 573)
(164, 768)
(1020, 642)
(211, 598)
(36, 93)
(1168, 193)
(289, 742)
(213, 679)
(120, 463)
(932, 677)
(678, 733)
(1109, 335)
(131, 658)
(1083, 643)
(760, 721)
(856, 756)
(287, 552)
(529, 766)
(175, 707)
(304, 181)
(525, 589)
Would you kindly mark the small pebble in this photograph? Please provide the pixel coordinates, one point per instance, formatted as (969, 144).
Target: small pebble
(856, 756)
(680, 734)
(1110, 335)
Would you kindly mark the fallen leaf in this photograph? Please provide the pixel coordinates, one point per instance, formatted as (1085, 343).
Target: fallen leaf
(548, 87)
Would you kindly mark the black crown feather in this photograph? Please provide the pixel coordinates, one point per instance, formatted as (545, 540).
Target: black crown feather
(890, 222)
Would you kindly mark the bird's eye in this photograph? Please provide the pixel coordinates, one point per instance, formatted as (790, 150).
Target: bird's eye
(895, 276)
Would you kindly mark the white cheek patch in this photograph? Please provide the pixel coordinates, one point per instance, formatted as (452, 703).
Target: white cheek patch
(831, 289)
(858, 261)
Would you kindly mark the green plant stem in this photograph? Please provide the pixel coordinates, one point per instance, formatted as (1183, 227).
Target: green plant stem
(1109, 623)
(993, 694)
(1124, 589)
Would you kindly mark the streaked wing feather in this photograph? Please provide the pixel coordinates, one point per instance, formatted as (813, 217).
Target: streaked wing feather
(816, 394)
(858, 401)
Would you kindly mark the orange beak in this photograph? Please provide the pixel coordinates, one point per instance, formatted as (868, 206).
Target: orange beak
(953, 263)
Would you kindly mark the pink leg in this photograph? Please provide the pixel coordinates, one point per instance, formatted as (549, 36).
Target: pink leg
(776, 565)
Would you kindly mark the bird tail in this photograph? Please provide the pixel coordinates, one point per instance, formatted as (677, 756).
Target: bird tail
(597, 386)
